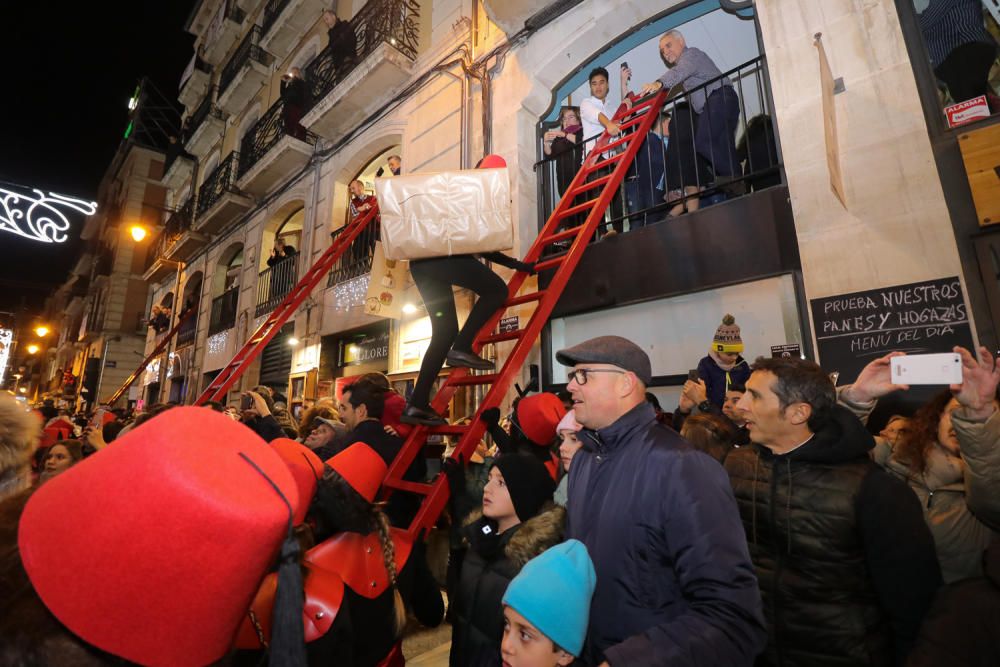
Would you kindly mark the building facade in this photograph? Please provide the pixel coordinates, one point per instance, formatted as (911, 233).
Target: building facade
(863, 195)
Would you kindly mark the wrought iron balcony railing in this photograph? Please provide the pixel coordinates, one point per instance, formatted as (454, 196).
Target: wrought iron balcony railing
(274, 284)
(249, 49)
(393, 22)
(221, 181)
(186, 333)
(267, 132)
(357, 261)
(178, 223)
(199, 115)
(224, 311)
(272, 10)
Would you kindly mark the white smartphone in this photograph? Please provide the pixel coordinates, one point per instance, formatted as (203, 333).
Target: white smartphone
(927, 369)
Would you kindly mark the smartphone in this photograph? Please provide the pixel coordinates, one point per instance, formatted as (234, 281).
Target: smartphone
(927, 369)
(693, 375)
(246, 402)
(625, 65)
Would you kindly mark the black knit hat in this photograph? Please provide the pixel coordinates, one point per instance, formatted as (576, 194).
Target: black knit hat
(527, 481)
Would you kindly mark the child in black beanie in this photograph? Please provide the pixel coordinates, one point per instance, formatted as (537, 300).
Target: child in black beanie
(518, 522)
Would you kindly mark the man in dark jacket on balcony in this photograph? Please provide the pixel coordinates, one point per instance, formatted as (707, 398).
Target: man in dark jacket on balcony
(675, 584)
(342, 43)
(844, 558)
(294, 96)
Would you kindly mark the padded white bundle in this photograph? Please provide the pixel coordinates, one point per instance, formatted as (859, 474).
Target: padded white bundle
(446, 213)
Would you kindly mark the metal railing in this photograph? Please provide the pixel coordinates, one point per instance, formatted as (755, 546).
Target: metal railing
(688, 170)
(393, 22)
(178, 223)
(357, 259)
(262, 136)
(249, 49)
(199, 115)
(272, 10)
(274, 283)
(224, 311)
(188, 328)
(222, 180)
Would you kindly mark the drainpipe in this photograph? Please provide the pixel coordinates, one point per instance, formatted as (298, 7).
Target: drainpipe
(104, 363)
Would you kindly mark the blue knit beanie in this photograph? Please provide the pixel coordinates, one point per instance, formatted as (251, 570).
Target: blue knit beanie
(553, 593)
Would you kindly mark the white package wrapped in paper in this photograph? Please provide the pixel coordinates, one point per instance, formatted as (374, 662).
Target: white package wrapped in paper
(446, 213)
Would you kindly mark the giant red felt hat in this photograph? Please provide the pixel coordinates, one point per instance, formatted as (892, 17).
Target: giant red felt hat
(362, 468)
(538, 415)
(492, 161)
(153, 548)
(305, 467)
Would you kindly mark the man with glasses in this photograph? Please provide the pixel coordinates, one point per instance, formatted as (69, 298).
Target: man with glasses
(675, 584)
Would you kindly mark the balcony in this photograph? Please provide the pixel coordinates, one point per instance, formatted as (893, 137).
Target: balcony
(286, 21)
(195, 81)
(186, 240)
(220, 202)
(224, 311)
(274, 284)
(357, 260)
(178, 167)
(223, 31)
(204, 127)
(247, 70)
(186, 332)
(272, 150)
(345, 93)
(163, 256)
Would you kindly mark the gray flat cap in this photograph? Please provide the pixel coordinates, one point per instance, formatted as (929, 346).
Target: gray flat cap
(615, 350)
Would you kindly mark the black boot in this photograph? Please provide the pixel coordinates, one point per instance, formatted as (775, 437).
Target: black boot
(458, 358)
(421, 416)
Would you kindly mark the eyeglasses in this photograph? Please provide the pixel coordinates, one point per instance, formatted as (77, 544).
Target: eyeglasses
(580, 374)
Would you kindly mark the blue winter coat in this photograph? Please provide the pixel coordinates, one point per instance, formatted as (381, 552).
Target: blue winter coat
(675, 584)
(715, 377)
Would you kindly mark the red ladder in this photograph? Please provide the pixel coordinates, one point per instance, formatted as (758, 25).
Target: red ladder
(639, 121)
(284, 311)
(160, 347)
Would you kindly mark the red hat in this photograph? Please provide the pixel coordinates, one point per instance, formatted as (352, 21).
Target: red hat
(153, 548)
(492, 161)
(538, 416)
(362, 468)
(305, 467)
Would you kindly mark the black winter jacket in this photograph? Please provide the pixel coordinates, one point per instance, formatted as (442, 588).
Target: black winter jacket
(487, 568)
(675, 584)
(402, 506)
(845, 561)
(715, 378)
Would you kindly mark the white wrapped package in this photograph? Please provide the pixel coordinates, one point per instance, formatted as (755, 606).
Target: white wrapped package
(447, 213)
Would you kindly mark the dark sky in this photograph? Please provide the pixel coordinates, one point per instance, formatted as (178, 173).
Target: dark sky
(70, 70)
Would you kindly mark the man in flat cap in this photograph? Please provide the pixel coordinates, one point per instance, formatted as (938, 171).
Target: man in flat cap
(675, 583)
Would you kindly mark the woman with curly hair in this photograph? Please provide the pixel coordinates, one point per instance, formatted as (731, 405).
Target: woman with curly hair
(950, 457)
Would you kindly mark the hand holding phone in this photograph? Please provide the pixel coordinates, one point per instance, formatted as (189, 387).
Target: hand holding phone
(927, 369)
(246, 402)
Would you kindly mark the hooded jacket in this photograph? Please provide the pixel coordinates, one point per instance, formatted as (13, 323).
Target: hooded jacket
(675, 584)
(489, 565)
(717, 380)
(845, 561)
(958, 495)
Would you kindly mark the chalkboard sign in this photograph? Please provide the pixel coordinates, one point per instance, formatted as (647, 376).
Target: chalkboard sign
(853, 329)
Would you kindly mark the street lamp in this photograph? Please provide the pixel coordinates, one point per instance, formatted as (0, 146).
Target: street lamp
(138, 232)
(32, 349)
(42, 331)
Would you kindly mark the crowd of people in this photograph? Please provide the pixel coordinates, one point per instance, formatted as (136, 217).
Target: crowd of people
(759, 523)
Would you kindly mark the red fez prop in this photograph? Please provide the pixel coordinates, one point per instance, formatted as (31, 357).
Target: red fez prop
(538, 416)
(305, 467)
(492, 161)
(153, 548)
(362, 468)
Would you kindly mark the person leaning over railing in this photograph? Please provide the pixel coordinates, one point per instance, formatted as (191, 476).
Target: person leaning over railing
(717, 106)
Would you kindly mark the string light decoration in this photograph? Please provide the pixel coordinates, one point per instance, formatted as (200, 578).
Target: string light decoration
(350, 293)
(217, 342)
(37, 215)
(6, 340)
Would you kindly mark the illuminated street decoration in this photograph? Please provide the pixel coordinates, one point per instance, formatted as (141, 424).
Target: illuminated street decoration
(37, 215)
(6, 339)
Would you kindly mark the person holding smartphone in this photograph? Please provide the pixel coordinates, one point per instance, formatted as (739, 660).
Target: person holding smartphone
(255, 413)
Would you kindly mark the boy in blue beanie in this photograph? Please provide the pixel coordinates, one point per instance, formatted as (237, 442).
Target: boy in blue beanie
(546, 608)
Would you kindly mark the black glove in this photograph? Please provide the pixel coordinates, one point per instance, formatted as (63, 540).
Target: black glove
(527, 267)
(491, 417)
(454, 471)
